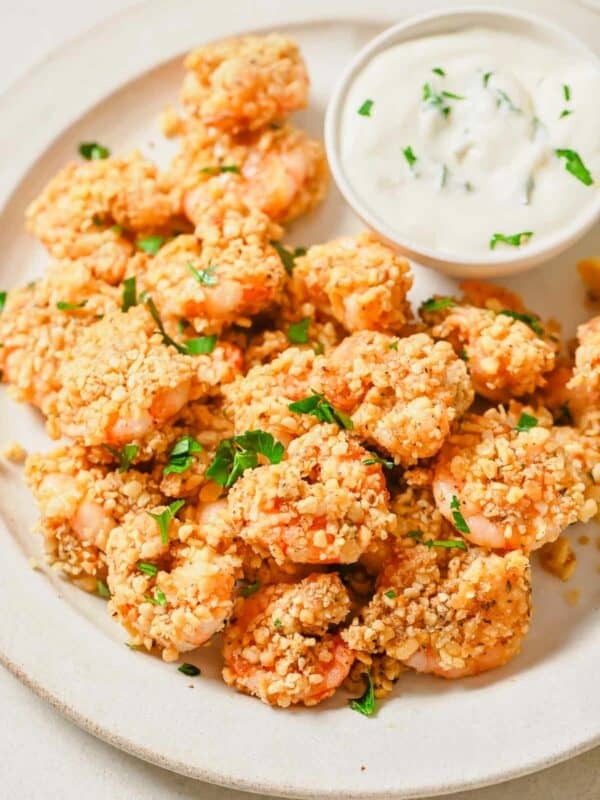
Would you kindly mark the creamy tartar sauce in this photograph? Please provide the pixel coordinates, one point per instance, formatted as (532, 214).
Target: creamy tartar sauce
(476, 141)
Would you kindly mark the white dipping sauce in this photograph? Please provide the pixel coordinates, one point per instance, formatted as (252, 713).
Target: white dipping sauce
(486, 163)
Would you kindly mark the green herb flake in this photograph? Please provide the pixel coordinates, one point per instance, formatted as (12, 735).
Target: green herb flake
(486, 78)
(502, 99)
(62, 305)
(365, 704)
(575, 166)
(457, 544)
(565, 113)
(181, 456)
(164, 518)
(365, 109)
(391, 594)
(378, 460)
(564, 414)
(102, 589)
(288, 257)
(318, 406)
(182, 325)
(249, 589)
(452, 96)
(129, 296)
(188, 669)
(234, 456)
(3, 296)
(124, 456)
(202, 345)
(526, 423)
(319, 348)
(393, 346)
(92, 151)
(435, 100)
(459, 521)
(221, 168)
(409, 156)
(206, 276)
(147, 568)
(277, 623)
(166, 338)
(515, 239)
(439, 71)
(297, 332)
(528, 319)
(98, 220)
(566, 92)
(118, 229)
(464, 355)
(159, 599)
(437, 304)
(150, 244)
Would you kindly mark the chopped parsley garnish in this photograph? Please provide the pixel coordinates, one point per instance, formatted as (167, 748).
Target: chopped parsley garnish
(234, 456)
(166, 338)
(97, 220)
(188, 669)
(365, 109)
(102, 589)
(435, 99)
(164, 518)
(409, 156)
(486, 78)
(287, 257)
(202, 345)
(444, 176)
(297, 332)
(118, 229)
(564, 414)
(159, 599)
(438, 303)
(182, 325)
(464, 355)
(503, 99)
(217, 170)
(365, 704)
(181, 456)
(566, 92)
(565, 113)
(124, 456)
(319, 348)
(378, 460)
(92, 151)
(417, 536)
(393, 346)
(150, 244)
(249, 589)
(204, 276)
(526, 423)
(62, 305)
(439, 71)
(575, 166)
(192, 347)
(318, 406)
(391, 594)
(129, 298)
(147, 568)
(277, 623)
(3, 296)
(528, 319)
(459, 521)
(452, 96)
(515, 239)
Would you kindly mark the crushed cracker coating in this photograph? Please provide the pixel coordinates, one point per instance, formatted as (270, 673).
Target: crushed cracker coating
(278, 646)
(244, 83)
(515, 490)
(558, 558)
(14, 451)
(356, 280)
(451, 613)
(384, 672)
(403, 395)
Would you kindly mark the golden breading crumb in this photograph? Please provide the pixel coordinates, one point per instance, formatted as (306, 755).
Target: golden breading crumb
(515, 489)
(587, 359)
(403, 395)
(356, 280)
(80, 502)
(260, 399)
(183, 594)
(321, 505)
(278, 647)
(384, 672)
(244, 83)
(76, 214)
(445, 611)
(558, 558)
(321, 336)
(121, 380)
(572, 596)
(37, 335)
(13, 451)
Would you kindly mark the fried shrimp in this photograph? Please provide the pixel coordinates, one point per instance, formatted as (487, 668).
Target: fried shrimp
(171, 587)
(245, 83)
(279, 646)
(87, 208)
(512, 485)
(356, 280)
(403, 395)
(321, 505)
(122, 380)
(40, 324)
(587, 359)
(447, 612)
(80, 502)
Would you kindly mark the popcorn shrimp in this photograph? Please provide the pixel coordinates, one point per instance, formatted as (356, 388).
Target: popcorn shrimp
(279, 647)
(587, 359)
(321, 505)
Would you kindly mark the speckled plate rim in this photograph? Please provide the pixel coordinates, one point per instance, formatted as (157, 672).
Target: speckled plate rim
(30, 628)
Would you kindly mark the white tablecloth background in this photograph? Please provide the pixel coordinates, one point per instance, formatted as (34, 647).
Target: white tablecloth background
(41, 754)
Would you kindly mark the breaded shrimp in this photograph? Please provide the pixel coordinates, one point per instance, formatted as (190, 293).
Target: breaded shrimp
(321, 337)
(122, 380)
(279, 646)
(445, 611)
(244, 83)
(260, 400)
(87, 207)
(514, 489)
(356, 280)
(175, 590)
(80, 502)
(37, 334)
(322, 504)
(587, 359)
(403, 395)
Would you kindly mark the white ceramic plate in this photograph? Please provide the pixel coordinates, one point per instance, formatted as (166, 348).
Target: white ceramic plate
(431, 736)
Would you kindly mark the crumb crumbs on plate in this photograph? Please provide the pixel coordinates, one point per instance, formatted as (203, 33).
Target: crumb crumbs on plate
(13, 451)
